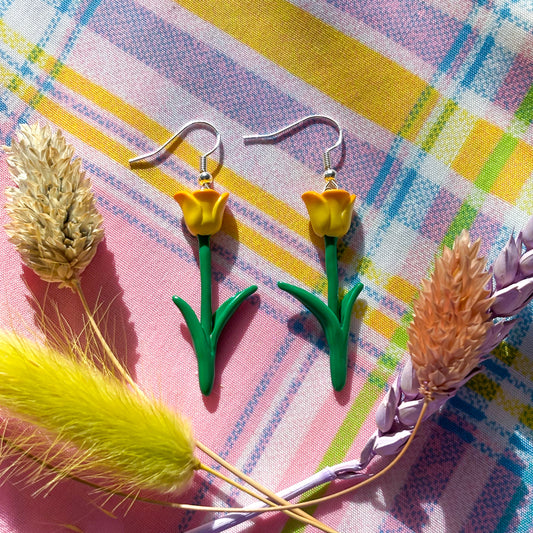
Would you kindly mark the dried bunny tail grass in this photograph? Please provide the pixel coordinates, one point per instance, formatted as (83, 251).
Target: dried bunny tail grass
(86, 422)
(54, 222)
(451, 318)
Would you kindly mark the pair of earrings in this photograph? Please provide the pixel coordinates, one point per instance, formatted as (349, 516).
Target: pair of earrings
(331, 215)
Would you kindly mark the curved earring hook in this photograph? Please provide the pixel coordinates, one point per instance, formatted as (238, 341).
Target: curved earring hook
(204, 175)
(329, 173)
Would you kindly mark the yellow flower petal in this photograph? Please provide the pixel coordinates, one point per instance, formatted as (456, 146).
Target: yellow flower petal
(330, 212)
(202, 210)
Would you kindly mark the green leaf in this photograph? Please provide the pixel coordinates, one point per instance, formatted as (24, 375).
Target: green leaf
(226, 310)
(326, 317)
(205, 355)
(336, 336)
(347, 306)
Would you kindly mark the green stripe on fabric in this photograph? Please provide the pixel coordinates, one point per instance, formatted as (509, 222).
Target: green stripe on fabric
(495, 162)
(525, 109)
(426, 96)
(449, 109)
(463, 220)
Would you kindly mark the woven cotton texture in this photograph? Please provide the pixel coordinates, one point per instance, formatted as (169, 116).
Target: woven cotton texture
(436, 105)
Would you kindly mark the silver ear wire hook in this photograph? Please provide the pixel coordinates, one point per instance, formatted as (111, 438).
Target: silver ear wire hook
(329, 173)
(205, 177)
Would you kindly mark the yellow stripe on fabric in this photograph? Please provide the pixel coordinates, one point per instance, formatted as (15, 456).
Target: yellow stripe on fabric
(509, 405)
(394, 284)
(514, 173)
(381, 323)
(339, 66)
(402, 289)
(453, 136)
(477, 148)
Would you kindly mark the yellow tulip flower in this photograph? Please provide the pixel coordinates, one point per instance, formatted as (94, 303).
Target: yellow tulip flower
(330, 211)
(203, 210)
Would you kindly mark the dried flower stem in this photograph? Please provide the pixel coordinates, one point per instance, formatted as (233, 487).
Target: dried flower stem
(307, 519)
(372, 478)
(301, 515)
(297, 513)
(94, 425)
(367, 481)
(317, 501)
(76, 286)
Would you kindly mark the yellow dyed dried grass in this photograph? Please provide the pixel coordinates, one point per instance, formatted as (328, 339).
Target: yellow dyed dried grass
(90, 423)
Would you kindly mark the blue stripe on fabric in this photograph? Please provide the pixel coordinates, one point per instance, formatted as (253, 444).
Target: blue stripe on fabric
(183, 59)
(281, 409)
(467, 408)
(521, 443)
(492, 72)
(452, 427)
(454, 50)
(403, 190)
(89, 12)
(47, 84)
(509, 514)
(497, 369)
(512, 466)
(421, 194)
(64, 5)
(478, 62)
(383, 172)
(4, 6)
(397, 24)
(526, 515)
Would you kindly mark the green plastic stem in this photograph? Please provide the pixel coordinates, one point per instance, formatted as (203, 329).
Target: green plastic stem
(332, 273)
(206, 331)
(334, 317)
(206, 309)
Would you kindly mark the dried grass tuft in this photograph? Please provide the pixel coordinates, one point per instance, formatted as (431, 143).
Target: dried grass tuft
(88, 424)
(54, 222)
(451, 318)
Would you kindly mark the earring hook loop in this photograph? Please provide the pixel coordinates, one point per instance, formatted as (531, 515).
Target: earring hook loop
(329, 173)
(205, 177)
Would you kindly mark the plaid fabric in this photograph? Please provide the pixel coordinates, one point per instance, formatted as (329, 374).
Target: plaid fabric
(436, 104)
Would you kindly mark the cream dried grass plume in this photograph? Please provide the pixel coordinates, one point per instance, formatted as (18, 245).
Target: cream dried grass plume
(54, 222)
(451, 318)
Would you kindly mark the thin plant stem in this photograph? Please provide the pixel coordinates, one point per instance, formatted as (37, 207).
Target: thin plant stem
(52, 468)
(281, 507)
(332, 273)
(204, 257)
(267, 492)
(116, 363)
(305, 518)
(371, 479)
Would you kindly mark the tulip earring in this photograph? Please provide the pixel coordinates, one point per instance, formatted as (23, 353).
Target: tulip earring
(203, 210)
(331, 215)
